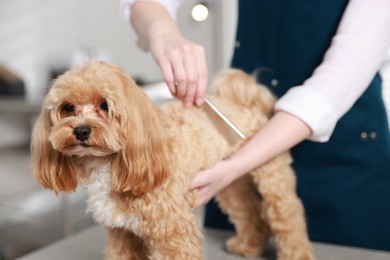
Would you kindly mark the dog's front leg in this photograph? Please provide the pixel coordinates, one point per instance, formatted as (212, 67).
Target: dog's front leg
(175, 237)
(124, 245)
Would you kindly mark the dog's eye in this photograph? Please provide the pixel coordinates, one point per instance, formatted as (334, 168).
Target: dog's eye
(68, 107)
(104, 106)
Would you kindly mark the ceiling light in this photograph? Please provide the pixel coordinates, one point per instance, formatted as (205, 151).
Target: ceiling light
(200, 12)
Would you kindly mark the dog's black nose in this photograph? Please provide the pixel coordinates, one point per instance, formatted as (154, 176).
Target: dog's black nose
(82, 133)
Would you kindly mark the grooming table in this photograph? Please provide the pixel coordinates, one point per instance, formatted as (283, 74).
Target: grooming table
(89, 244)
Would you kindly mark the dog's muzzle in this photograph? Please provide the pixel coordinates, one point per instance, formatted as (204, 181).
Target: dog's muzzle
(82, 133)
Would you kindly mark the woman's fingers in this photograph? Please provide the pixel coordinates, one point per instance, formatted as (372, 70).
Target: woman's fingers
(202, 76)
(201, 179)
(167, 72)
(184, 68)
(179, 73)
(204, 182)
(191, 79)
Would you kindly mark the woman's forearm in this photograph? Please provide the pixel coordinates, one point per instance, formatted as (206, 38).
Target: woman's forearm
(151, 20)
(282, 132)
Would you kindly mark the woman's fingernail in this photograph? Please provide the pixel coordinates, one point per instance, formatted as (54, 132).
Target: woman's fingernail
(199, 102)
(172, 89)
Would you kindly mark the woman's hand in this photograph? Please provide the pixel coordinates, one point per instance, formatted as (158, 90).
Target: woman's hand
(209, 182)
(182, 62)
(183, 65)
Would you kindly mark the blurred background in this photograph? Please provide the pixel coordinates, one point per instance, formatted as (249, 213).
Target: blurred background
(39, 39)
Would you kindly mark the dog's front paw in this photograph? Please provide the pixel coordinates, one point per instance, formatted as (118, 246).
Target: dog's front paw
(245, 247)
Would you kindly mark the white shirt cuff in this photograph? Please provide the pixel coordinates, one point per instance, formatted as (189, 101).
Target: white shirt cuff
(311, 107)
(170, 5)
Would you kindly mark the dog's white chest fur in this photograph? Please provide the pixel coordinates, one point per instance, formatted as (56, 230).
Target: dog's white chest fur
(102, 206)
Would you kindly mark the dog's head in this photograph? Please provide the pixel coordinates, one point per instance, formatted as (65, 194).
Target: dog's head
(98, 111)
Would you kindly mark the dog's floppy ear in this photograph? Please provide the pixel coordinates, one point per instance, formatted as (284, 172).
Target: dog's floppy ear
(52, 169)
(142, 164)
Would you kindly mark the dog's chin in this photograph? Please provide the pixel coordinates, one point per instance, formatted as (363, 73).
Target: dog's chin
(83, 149)
(69, 146)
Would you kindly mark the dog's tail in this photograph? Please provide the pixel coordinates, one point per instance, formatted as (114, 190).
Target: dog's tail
(242, 89)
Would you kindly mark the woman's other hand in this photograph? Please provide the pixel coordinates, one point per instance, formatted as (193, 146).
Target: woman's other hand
(182, 62)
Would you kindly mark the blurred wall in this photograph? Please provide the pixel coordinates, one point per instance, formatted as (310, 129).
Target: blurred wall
(38, 35)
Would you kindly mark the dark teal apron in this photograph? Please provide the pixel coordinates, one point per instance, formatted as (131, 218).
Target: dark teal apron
(344, 183)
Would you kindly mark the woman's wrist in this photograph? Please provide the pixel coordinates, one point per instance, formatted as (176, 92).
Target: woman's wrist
(162, 29)
(151, 21)
(233, 169)
(282, 132)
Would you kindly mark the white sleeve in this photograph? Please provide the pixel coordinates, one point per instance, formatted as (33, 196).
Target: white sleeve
(355, 55)
(170, 5)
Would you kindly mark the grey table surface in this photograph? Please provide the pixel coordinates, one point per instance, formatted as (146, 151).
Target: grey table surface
(89, 244)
